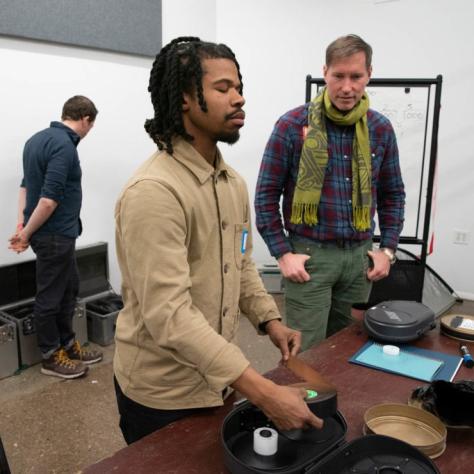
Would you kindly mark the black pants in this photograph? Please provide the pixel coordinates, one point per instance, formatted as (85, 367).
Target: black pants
(57, 286)
(137, 421)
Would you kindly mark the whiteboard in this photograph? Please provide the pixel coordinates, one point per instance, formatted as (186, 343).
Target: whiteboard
(410, 112)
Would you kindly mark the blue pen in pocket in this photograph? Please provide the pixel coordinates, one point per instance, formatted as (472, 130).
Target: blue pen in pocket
(243, 245)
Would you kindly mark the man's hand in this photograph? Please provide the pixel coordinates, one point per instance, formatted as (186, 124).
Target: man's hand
(288, 410)
(284, 406)
(292, 267)
(286, 339)
(381, 267)
(19, 241)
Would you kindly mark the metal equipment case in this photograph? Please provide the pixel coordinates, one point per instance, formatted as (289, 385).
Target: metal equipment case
(272, 279)
(97, 298)
(16, 305)
(8, 348)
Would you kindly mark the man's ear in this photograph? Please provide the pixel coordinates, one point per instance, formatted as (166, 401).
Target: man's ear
(185, 103)
(369, 72)
(325, 71)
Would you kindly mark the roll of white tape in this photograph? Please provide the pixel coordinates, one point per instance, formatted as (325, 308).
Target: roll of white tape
(391, 350)
(265, 441)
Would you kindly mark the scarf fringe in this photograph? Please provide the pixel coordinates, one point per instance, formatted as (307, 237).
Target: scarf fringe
(304, 213)
(361, 218)
(314, 158)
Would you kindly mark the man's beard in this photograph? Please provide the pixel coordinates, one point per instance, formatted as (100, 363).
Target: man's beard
(229, 138)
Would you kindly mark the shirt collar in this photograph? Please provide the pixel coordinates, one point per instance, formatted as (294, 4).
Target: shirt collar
(186, 154)
(75, 138)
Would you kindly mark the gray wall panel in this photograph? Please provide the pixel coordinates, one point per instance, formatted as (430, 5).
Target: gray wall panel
(129, 26)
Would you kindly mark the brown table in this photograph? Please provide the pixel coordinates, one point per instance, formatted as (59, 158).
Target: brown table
(192, 445)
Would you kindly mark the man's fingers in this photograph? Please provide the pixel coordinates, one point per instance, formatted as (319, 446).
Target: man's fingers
(316, 422)
(313, 420)
(295, 345)
(284, 350)
(300, 276)
(296, 278)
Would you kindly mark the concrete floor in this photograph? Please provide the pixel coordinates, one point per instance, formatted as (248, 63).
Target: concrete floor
(50, 425)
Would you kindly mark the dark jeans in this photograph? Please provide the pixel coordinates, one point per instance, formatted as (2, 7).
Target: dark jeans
(137, 421)
(57, 286)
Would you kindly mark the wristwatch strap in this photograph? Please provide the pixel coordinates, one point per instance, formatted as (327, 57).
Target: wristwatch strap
(390, 254)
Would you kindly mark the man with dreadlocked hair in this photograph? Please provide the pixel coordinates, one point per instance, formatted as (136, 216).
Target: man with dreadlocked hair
(183, 244)
(335, 161)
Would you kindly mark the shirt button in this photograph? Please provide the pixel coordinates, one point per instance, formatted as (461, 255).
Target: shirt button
(373, 155)
(345, 157)
(224, 225)
(226, 267)
(347, 179)
(224, 311)
(350, 201)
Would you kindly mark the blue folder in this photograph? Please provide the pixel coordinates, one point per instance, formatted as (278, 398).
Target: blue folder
(413, 362)
(451, 362)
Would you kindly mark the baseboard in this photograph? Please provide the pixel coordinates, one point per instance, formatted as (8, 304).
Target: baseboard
(465, 296)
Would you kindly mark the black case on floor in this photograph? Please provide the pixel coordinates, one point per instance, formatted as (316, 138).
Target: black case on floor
(321, 453)
(101, 304)
(398, 321)
(17, 292)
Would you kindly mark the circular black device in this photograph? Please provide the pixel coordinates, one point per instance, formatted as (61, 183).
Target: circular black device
(322, 404)
(398, 321)
(313, 435)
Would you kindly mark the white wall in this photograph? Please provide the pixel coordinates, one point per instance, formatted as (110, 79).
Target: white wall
(189, 18)
(36, 79)
(277, 43)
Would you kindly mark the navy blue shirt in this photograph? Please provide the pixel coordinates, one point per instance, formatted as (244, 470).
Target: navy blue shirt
(51, 169)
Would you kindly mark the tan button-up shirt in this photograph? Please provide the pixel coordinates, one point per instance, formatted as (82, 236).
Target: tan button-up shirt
(183, 244)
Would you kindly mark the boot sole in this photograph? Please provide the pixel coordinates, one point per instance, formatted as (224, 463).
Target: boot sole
(63, 376)
(87, 362)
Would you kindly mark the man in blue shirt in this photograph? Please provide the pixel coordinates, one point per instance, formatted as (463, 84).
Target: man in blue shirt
(48, 219)
(335, 162)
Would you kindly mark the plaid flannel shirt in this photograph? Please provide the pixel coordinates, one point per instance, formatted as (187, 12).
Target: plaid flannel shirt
(279, 172)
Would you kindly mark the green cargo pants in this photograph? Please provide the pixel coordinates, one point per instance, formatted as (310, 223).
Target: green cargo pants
(322, 306)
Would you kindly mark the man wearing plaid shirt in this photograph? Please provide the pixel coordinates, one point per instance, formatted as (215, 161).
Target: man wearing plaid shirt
(335, 161)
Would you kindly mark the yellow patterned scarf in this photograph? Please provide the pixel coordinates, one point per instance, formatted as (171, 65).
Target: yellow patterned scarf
(314, 158)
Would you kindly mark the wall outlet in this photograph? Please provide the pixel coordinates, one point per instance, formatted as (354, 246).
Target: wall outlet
(461, 237)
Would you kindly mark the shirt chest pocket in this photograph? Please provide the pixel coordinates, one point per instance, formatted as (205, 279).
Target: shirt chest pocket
(240, 242)
(377, 153)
